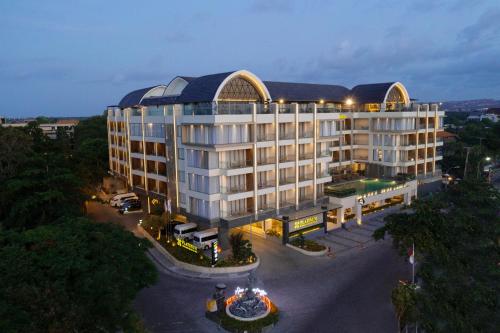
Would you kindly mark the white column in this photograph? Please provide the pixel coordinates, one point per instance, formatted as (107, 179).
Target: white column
(295, 109)
(274, 109)
(359, 213)
(315, 176)
(255, 196)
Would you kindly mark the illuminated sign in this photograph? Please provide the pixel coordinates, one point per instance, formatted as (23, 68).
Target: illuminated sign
(215, 252)
(306, 222)
(342, 116)
(186, 245)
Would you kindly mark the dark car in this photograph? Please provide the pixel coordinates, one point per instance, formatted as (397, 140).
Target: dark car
(131, 206)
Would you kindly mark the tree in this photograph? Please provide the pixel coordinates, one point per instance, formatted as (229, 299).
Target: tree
(91, 151)
(73, 276)
(15, 149)
(404, 300)
(456, 236)
(242, 249)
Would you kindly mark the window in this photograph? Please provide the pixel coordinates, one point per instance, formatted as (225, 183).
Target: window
(180, 153)
(182, 176)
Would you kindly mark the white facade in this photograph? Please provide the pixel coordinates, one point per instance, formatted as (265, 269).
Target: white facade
(232, 159)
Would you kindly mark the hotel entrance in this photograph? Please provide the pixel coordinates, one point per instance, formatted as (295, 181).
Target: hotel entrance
(269, 229)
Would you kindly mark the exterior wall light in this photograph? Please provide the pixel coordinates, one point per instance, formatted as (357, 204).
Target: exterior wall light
(281, 101)
(349, 102)
(321, 101)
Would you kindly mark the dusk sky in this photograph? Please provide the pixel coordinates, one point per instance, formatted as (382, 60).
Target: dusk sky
(74, 58)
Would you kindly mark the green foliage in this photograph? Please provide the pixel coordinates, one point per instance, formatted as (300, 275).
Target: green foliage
(74, 276)
(242, 248)
(91, 151)
(404, 300)
(15, 150)
(307, 244)
(456, 236)
(342, 192)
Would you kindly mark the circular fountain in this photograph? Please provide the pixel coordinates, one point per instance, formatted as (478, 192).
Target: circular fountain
(248, 304)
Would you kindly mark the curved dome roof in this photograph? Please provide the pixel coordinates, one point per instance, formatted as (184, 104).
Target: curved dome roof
(134, 98)
(306, 92)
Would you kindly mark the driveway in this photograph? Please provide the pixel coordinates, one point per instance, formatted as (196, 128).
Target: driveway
(347, 293)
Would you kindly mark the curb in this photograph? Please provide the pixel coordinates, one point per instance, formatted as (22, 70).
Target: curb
(309, 253)
(197, 269)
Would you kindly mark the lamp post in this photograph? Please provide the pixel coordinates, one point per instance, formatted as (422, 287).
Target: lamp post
(487, 159)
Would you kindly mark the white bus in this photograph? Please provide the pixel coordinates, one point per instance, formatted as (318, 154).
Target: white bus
(185, 230)
(204, 239)
(117, 200)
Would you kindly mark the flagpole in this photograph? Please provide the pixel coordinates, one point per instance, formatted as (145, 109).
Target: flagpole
(413, 264)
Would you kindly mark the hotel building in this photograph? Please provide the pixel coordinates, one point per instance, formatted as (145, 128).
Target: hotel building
(230, 150)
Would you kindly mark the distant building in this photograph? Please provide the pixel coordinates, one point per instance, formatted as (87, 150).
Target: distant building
(2, 120)
(447, 137)
(50, 129)
(492, 114)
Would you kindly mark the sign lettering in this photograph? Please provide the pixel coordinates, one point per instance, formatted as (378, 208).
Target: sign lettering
(186, 245)
(308, 221)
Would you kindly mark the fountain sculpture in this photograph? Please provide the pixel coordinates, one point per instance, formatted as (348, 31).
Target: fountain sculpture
(248, 304)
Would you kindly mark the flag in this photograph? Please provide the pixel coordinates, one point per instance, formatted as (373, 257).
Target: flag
(411, 256)
(165, 208)
(169, 206)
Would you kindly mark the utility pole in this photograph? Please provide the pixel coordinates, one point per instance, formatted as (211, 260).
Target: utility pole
(466, 161)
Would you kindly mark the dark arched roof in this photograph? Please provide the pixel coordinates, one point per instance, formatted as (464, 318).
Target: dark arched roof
(203, 88)
(370, 93)
(134, 98)
(306, 92)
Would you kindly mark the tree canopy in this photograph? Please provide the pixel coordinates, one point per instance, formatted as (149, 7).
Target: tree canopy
(457, 237)
(73, 276)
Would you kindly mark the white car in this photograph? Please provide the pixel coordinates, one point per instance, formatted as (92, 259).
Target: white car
(117, 200)
(185, 230)
(204, 239)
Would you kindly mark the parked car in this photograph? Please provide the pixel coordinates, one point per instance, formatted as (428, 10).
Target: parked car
(118, 199)
(185, 230)
(130, 207)
(204, 239)
(126, 201)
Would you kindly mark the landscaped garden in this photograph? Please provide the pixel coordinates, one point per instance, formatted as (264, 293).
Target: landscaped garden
(307, 244)
(240, 255)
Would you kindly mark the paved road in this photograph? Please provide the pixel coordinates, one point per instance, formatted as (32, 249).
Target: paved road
(348, 293)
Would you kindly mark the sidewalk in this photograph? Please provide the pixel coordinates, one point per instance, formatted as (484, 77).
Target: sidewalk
(167, 266)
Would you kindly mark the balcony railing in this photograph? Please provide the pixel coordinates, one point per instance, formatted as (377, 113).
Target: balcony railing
(327, 109)
(266, 184)
(238, 213)
(266, 136)
(235, 164)
(287, 158)
(287, 135)
(288, 180)
(324, 153)
(306, 156)
(308, 176)
(322, 174)
(234, 189)
(265, 161)
(305, 134)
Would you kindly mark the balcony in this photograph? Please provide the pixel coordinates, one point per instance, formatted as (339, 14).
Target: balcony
(288, 135)
(305, 134)
(324, 153)
(288, 180)
(234, 189)
(266, 137)
(305, 177)
(236, 214)
(322, 174)
(327, 109)
(287, 158)
(266, 161)
(306, 156)
(235, 164)
(266, 184)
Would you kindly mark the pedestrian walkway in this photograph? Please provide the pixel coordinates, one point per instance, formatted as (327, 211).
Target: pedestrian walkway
(355, 237)
(168, 267)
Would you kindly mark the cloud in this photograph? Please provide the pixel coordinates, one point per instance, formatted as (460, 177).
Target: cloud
(431, 68)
